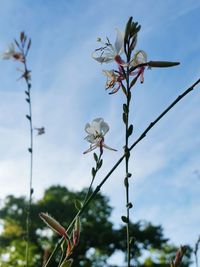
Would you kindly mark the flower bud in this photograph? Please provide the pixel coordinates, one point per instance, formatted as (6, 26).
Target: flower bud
(53, 224)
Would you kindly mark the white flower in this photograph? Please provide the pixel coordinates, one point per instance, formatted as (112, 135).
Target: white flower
(108, 52)
(113, 78)
(139, 57)
(96, 132)
(10, 53)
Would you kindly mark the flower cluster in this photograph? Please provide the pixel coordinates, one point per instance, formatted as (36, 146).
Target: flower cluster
(112, 53)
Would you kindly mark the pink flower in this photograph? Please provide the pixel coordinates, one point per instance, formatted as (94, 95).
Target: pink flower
(140, 57)
(113, 78)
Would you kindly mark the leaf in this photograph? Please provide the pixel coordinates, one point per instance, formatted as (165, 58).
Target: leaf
(28, 117)
(133, 82)
(17, 44)
(95, 157)
(128, 28)
(124, 118)
(124, 219)
(30, 150)
(125, 108)
(78, 204)
(162, 64)
(29, 44)
(126, 182)
(27, 93)
(22, 36)
(129, 205)
(93, 172)
(130, 130)
(124, 89)
(67, 263)
(129, 175)
(100, 164)
(28, 100)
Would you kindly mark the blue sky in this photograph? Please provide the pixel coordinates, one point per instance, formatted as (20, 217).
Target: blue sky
(68, 91)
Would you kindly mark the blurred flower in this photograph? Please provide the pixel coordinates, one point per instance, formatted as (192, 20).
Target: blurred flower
(40, 131)
(10, 53)
(140, 57)
(108, 52)
(96, 132)
(25, 74)
(113, 78)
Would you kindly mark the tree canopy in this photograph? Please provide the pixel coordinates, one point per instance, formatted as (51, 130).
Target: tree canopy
(99, 238)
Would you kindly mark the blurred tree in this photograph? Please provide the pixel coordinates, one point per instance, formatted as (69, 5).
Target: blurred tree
(99, 240)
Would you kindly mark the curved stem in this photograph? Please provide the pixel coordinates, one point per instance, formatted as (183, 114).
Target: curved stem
(91, 197)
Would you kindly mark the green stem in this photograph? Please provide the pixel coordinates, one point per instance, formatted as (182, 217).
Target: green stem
(152, 124)
(126, 183)
(28, 220)
(93, 176)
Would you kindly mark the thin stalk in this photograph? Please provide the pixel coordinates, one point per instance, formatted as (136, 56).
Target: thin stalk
(98, 188)
(30, 149)
(126, 183)
(93, 176)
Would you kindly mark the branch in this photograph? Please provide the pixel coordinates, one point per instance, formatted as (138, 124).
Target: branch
(151, 125)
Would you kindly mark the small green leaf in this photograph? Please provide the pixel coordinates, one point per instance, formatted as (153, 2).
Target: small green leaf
(162, 64)
(22, 36)
(29, 44)
(124, 89)
(67, 263)
(93, 172)
(78, 204)
(129, 175)
(124, 219)
(28, 117)
(128, 28)
(99, 164)
(133, 82)
(17, 44)
(126, 182)
(130, 130)
(129, 205)
(125, 108)
(124, 118)
(95, 157)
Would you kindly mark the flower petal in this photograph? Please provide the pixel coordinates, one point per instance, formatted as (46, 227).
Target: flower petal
(110, 148)
(102, 59)
(119, 42)
(90, 149)
(104, 127)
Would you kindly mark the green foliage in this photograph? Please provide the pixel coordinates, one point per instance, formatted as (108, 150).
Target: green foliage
(98, 239)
